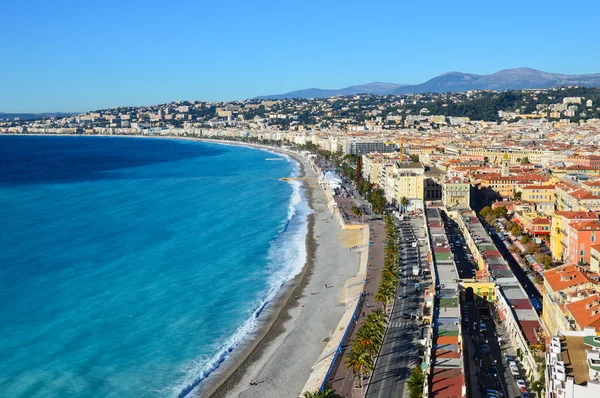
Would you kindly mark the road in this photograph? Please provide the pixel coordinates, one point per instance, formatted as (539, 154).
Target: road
(520, 274)
(399, 353)
(462, 254)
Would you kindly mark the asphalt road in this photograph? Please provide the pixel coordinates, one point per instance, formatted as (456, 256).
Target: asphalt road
(520, 274)
(399, 353)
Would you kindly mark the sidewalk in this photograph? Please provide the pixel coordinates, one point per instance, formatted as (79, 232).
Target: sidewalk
(341, 379)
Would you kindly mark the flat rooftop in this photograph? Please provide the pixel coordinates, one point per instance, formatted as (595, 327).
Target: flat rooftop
(574, 355)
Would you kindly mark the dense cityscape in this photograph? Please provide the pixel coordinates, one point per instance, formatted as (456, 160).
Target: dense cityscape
(503, 284)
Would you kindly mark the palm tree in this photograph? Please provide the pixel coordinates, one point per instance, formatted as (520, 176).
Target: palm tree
(404, 203)
(381, 298)
(366, 339)
(328, 393)
(357, 361)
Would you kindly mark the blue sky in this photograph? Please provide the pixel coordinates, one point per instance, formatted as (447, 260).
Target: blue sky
(86, 55)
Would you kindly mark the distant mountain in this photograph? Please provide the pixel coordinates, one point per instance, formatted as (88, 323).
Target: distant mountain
(506, 79)
(369, 88)
(33, 116)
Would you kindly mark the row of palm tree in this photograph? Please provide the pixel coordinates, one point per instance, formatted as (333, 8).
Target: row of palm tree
(369, 337)
(327, 393)
(390, 274)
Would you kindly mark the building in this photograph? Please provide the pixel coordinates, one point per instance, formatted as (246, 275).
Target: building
(582, 235)
(456, 190)
(409, 179)
(559, 238)
(573, 365)
(562, 285)
(538, 193)
(361, 147)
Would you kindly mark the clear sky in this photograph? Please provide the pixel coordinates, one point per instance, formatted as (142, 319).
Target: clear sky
(86, 55)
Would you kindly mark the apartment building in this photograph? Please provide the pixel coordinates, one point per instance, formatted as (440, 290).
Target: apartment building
(562, 286)
(559, 238)
(456, 190)
(573, 365)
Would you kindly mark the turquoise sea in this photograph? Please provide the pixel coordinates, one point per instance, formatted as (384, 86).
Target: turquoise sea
(131, 267)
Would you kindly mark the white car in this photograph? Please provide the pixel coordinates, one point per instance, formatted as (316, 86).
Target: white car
(521, 384)
(514, 371)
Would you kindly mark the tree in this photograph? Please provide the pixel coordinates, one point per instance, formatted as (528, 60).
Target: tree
(515, 230)
(501, 212)
(525, 160)
(328, 393)
(356, 211)
(414, 158)
(525, 239)
(544, 259)
(415, 383)
(357, 361)
(404, 203)
(532, 248)
(518, 195)
(487, 210)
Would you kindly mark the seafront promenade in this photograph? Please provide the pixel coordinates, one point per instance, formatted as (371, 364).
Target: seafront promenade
(341, 379)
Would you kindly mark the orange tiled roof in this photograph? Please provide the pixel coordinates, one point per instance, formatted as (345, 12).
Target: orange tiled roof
(583, 194)
(586, 312)
(577, 215)
(540, 221)
(565, 277)
(592, 225)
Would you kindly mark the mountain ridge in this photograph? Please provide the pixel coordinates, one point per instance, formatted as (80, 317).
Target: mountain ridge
(453, 81)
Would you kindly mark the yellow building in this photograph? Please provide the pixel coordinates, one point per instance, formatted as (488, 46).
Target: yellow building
(409, 182)
(482, 291)
(373, 164)
(562, 285)
(538, 193)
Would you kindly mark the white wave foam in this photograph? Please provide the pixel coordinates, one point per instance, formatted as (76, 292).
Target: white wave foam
(287, 256)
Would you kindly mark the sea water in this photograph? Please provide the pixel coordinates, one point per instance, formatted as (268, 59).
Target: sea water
(132, 267)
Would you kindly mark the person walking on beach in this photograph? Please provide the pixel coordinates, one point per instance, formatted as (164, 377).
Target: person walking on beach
(326, 286)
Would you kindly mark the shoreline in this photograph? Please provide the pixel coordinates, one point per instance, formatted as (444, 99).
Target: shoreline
(252, 352)
(276, 313)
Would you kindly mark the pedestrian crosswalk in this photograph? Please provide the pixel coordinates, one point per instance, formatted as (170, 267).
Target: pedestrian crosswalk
(404, 324)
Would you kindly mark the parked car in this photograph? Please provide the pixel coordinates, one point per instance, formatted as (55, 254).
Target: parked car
(521, 384)
(507, 357)
(514, 371)
(482, 328)
(495, 393)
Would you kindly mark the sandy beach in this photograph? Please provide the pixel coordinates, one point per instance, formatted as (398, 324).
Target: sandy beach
(300, 321)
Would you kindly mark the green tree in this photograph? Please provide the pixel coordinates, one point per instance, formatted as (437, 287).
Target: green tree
(486, 211)
(525, 239)
(358, 361)
(415, 383)
(544, 260)
(525, 160)
(357, 211)
(414, 158)
(515, 230)
(532, 247)
(518, 195)
(501, 212)
(404, 203)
